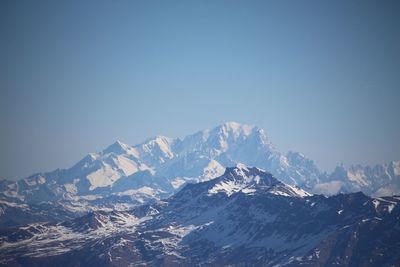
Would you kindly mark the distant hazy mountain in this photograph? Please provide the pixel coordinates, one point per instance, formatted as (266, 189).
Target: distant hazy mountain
(122, 176)
(380, 180)
(245, 217)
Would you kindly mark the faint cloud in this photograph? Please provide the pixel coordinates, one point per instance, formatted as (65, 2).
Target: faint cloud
(330, 188)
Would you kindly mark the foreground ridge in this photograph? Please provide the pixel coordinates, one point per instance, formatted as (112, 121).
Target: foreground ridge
(244, 217)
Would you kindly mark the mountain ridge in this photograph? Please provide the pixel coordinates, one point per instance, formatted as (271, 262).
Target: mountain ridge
(194, 227)
(122, 176)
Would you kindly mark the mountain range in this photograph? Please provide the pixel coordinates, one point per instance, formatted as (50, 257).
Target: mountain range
(245, 217)
(121, 176)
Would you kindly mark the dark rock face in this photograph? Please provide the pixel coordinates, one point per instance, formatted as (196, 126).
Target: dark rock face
(246, 217)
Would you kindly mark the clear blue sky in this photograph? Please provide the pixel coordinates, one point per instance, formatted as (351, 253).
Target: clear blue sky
(321, 77)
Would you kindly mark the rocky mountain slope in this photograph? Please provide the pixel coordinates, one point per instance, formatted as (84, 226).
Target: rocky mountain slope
(245, 217)
(122, 176)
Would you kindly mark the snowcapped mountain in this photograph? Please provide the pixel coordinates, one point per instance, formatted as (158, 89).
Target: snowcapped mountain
(122, 176)
(245, 217)
(155, 169)
(251, 181)
(379, 180)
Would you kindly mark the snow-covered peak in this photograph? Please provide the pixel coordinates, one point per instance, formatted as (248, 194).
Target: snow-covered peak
(119, 148)
(163, 142)
(242, 167)
(251, 180)
(377, 180)
(232, 124)
(87, 161)
(225, 137)
(235, 129)
(158, 148)
(244, 174)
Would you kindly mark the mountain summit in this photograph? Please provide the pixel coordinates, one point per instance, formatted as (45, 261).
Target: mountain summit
(123, 176)
(246, 217)
(252, 181)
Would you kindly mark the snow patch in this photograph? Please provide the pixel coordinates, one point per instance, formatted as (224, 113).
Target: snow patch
(358, 177)
(143, 190)
(376, 203)
(103, 177)
(178, 182)
(213, 170)
(391, 207)
(227, 187)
